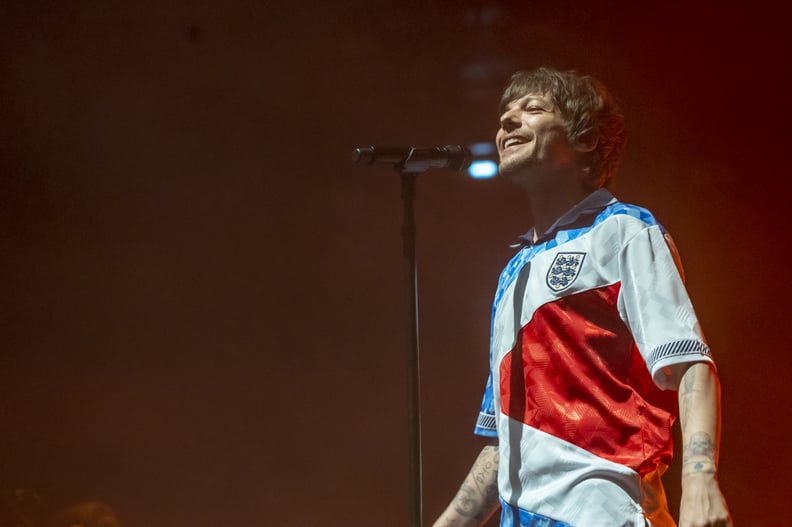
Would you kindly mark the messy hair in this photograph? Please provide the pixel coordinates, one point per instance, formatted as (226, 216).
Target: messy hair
(586, 106)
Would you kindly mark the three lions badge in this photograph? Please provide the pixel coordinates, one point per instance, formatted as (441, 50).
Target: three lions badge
(564, 270)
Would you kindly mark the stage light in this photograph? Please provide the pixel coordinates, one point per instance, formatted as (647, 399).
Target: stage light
(484, 165)
(483, 169)
(483, 149)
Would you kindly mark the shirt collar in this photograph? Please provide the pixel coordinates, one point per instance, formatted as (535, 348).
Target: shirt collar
(591, 204)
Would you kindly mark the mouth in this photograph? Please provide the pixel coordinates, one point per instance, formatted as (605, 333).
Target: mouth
(513, 140)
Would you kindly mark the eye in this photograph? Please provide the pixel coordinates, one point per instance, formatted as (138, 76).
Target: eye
(534, 109)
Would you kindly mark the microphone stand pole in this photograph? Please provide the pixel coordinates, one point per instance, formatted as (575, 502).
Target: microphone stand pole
(417, 161)
(412, 349)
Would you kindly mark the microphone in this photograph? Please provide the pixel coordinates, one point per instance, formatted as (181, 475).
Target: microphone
(415, 158)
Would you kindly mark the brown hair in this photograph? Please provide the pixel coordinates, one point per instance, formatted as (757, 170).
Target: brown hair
(587, 107)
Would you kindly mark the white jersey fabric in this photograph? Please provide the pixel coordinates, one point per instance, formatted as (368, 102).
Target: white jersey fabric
(585, 322)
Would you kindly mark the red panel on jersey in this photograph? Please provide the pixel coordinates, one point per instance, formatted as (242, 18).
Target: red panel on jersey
(581, 362)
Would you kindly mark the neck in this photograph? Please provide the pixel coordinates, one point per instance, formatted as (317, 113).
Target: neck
(547, 207)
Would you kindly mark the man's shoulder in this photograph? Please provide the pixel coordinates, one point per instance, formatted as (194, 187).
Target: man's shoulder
(633, 214)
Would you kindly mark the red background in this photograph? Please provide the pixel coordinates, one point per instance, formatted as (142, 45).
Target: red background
(203, 318)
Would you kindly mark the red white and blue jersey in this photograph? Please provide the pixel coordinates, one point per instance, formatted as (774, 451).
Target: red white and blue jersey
(578, 393)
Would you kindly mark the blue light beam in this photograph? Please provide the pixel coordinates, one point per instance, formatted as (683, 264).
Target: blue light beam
(483, 169)
(484, 165)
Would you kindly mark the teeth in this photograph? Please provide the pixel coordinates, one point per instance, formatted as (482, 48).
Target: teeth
(512, 141)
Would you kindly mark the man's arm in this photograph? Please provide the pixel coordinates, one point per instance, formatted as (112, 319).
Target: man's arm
(703, 504)
(477, 498)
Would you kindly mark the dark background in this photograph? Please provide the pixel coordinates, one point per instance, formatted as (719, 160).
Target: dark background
(202, 318)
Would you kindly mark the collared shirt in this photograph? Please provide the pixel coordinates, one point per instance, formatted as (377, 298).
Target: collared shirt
(580, 214)
(585, 321)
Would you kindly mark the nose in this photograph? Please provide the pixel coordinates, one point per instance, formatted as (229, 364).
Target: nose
(510, 119)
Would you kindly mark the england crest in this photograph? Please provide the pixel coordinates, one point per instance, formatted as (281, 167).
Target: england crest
(564, 270)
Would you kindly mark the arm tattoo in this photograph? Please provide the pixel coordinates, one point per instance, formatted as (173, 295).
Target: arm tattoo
(689, 380)
(699, 453)
(479, 492)
(686, 391)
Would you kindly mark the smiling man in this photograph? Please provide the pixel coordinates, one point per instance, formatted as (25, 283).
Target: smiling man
(595, 344)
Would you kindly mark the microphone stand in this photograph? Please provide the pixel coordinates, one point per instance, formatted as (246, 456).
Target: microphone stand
(408, 177)
(416, 161)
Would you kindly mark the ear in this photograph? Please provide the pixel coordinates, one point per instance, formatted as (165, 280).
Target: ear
(587, 141)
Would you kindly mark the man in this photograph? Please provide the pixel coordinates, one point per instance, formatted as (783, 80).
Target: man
(595, 343)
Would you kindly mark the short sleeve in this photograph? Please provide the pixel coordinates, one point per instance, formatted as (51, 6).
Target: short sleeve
(485, 424)
(655, 305)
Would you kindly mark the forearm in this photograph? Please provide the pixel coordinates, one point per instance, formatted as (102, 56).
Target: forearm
(702, 502)
(477, 498)
(699, 411)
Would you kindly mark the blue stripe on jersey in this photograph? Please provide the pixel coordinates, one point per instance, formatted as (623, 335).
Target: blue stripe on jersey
(486, 423)
(512, 516)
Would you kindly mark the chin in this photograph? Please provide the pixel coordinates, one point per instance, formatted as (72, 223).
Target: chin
(514, 171)
(508, 169)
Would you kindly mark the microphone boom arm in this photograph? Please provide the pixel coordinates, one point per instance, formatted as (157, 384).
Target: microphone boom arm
(409, 159)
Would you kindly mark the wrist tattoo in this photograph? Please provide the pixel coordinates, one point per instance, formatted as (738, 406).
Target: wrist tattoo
(699, 453)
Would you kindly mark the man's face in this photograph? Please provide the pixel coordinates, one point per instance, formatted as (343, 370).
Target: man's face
(532, 140)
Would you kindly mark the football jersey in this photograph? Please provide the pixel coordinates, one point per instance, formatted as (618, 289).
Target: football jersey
(586, 321)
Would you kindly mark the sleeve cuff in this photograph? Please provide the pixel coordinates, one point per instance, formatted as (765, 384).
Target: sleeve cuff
(486, 425)
(679, 352)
